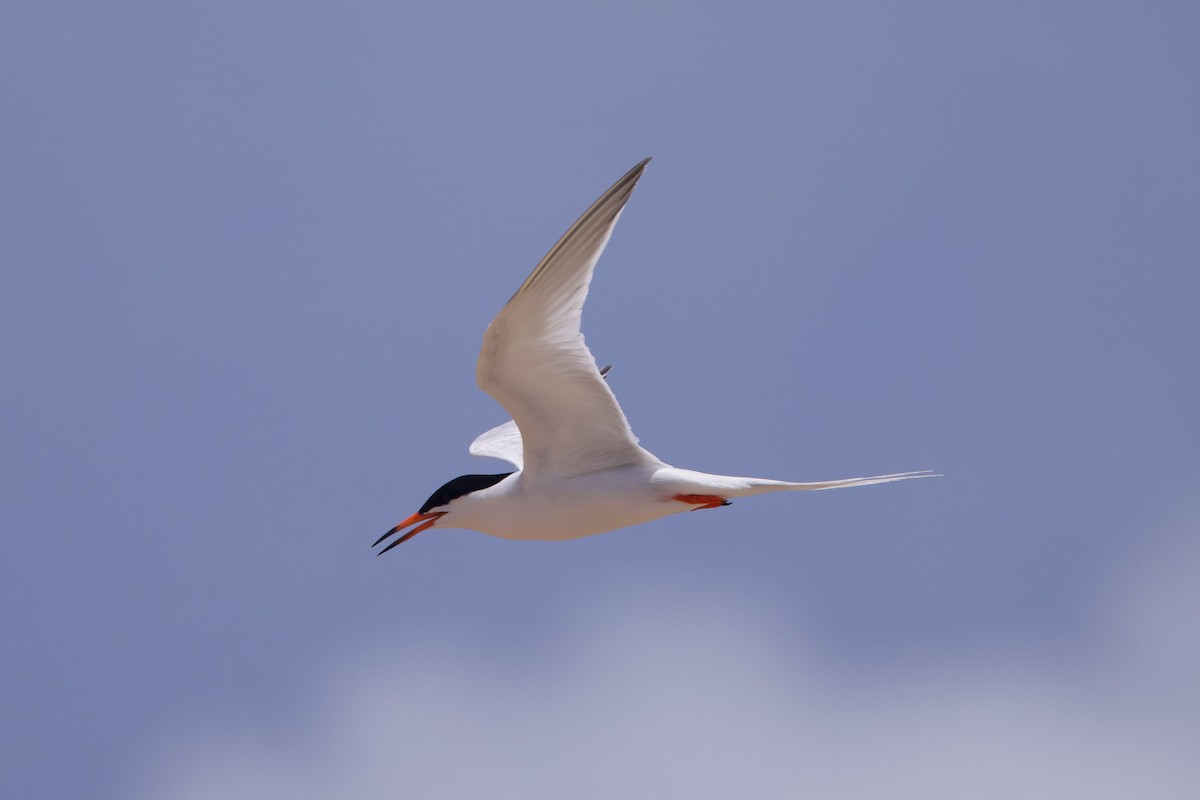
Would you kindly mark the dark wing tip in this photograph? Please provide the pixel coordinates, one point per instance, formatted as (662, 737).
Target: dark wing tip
(637, 169)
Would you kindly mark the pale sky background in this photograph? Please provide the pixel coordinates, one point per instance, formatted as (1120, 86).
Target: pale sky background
(249, 251)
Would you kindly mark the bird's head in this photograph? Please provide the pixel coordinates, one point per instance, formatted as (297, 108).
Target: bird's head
(439, 504)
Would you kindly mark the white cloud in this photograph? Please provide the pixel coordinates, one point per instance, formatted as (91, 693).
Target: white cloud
(655, 700)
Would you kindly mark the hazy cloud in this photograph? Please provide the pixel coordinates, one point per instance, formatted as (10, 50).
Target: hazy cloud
(654, 699)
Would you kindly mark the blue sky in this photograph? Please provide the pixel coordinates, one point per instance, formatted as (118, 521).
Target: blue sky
(249, 253)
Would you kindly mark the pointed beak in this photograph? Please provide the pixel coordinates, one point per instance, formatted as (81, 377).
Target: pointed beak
(428, 521)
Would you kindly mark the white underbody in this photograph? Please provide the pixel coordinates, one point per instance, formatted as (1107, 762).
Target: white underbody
(519, 507)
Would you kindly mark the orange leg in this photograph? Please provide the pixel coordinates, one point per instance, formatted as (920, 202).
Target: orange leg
(702, 500)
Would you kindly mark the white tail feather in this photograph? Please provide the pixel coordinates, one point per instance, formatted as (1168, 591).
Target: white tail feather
(726, 486)
(846, 482)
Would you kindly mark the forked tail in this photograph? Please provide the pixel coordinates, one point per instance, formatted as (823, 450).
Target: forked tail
(753, 486)
(846, 482)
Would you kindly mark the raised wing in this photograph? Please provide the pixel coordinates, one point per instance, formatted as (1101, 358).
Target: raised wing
(534, 361)
(504, 441)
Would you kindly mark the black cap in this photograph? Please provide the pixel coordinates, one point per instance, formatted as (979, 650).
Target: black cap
(463, 484)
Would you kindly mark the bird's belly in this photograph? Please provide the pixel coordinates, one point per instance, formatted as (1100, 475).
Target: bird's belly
(576, 508)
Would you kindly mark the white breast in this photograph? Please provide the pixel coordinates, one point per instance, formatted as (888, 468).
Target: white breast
(567, 508)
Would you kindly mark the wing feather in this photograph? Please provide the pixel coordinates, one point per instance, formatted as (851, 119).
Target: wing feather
(502, 442)
(535, 364)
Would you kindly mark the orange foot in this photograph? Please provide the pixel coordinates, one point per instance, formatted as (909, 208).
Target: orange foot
(702, 500)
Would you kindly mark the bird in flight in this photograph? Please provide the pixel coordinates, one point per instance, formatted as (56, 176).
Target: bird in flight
(579, 468)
